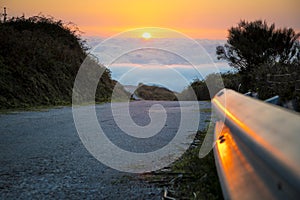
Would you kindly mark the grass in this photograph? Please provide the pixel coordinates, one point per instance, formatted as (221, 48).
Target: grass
(205, 110)
(190, 177)
(42, 108)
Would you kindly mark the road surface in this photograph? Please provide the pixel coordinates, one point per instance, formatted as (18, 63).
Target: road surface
(42, 156)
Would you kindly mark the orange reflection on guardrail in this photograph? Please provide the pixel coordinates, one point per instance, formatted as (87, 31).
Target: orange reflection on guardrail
(253, 135)
(235, 166)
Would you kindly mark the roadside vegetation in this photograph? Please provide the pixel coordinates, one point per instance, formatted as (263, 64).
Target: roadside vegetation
(39, 60)
(266, 61)
(216, 82)
(189, 177)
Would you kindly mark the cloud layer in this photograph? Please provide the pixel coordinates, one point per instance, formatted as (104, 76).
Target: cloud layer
(150, 65)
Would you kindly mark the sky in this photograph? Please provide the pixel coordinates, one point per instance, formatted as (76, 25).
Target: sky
(205, 19)
(197, 19)
(170, 62)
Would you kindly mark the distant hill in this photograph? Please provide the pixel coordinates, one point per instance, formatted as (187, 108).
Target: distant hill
(39, 60)
(147, 92)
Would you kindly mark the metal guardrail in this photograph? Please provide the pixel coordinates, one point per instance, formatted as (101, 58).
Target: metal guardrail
(273, 100)
(258, 148)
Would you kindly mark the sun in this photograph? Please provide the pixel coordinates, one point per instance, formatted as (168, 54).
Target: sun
(146, 35)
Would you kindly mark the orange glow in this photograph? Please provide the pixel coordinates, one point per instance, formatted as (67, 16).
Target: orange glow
(248, 130)
(196, 18)
(235, 166)
(241, 125)
(225, 148)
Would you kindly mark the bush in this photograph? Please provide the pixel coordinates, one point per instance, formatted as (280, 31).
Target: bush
(39, 60)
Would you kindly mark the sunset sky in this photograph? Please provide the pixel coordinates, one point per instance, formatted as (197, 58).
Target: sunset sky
(208, 19)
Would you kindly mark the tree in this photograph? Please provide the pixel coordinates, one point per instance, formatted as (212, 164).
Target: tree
(252, 44)
(215, 83)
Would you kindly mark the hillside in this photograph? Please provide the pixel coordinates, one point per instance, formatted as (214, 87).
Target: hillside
(147, 92)
(39, 60)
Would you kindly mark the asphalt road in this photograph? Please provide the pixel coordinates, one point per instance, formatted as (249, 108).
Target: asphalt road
(42, 156)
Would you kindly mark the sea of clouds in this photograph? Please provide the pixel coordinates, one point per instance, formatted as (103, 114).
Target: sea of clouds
(156, 66)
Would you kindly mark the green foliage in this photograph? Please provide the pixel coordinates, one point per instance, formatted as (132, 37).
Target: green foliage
(190, 177)
(203, 182)
(252, 44)
(39, 60)
(216, 82)
(199, 88)
(279, 79)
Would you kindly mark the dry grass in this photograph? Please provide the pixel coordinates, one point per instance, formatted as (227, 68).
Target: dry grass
(189, 177)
